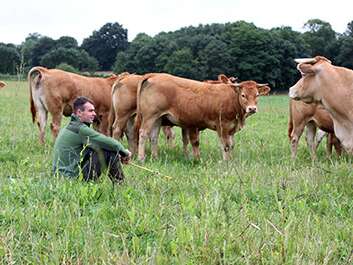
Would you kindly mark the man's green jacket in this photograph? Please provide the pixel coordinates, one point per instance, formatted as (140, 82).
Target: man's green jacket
(72, 140)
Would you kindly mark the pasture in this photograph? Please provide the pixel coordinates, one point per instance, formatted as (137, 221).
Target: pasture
(258, 208)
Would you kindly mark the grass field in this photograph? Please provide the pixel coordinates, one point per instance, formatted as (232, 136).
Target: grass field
(258, 208)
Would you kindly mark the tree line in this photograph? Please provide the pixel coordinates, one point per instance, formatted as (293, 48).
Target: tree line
(236, 49)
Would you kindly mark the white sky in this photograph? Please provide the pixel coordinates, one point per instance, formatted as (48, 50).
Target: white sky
(79, 18)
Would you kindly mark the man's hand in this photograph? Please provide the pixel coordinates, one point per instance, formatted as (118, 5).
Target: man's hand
(126, 159)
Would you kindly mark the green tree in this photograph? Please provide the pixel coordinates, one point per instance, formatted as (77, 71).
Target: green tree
(320, 37)
(182, 63)
(345, 48)
(349, 31)
(288, 45)
(42, 46)
(10, 58)
(126, 60)
(79, 59)
(66, 42)
(253, 52)
(66, 67)
(26, 49)
(215, 59)
(105, 43)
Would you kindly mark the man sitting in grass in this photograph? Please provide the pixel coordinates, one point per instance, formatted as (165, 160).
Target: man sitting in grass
(79, 148)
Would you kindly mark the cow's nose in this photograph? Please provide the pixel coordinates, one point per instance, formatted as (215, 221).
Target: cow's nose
(251, 109)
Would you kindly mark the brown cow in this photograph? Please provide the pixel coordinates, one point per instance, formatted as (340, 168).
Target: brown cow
(311, 116)
(2, 84)
(194, 106)
(53, 90)
(331, 86)
(123, 111)
(186, 134)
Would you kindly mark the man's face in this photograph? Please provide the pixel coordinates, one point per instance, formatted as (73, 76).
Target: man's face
(88, 114)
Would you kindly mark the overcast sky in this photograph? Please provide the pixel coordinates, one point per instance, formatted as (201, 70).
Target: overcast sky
(79, 18)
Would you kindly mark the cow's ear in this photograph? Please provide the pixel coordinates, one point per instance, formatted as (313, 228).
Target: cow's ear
(233, 79)
(263, 89)
(306, 69)
(223, 78)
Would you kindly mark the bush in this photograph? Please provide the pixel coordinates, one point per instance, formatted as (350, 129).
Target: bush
(66, 67)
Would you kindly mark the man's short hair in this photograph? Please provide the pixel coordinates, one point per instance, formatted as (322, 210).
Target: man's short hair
(80, 102)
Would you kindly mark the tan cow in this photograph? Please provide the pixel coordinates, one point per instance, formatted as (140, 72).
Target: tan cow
(331, 86)
(311, 116)
(53, 91)
(123, 111)
(2, 84)
(194, 106)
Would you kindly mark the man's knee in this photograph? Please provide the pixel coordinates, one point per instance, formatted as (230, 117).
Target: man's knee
(95, 161)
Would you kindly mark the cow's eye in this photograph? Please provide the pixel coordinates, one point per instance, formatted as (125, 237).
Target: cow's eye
(243, 95)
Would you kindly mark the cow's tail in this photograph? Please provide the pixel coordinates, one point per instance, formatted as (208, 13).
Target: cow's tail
(290, 121)
(111, 116)
(138, 119)
(35, 75)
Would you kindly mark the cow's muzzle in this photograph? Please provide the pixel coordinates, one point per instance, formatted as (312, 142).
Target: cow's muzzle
(251, 109)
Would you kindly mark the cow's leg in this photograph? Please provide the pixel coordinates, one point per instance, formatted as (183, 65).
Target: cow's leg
(130, 135)
(144, 132)
(195, 142)
(226, 140)
(119, 126)
(42, 111)
(185, 136)
(329, 144)
(169, 135)
(42, 122)
(104, 123)
(55, 124)
(294, 138)
(332, 140)
(311, 138)
(319, 136)
(227, 143)
(154, 135)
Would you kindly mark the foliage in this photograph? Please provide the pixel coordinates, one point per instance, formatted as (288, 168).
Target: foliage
(345, 48)
(10, 58)
(126, 61)
(26, 49)
(259, 208)
(66, 42)
(236, 49)
(79, 59)
(40, 48)
(105, 43)
(321, 37)
(66, 67)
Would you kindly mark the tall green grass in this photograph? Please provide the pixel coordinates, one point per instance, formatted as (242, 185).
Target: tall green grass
(258, 208)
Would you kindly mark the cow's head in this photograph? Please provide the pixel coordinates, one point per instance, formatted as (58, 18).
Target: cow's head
(248, 93)
(2, 84)
(308, 86)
